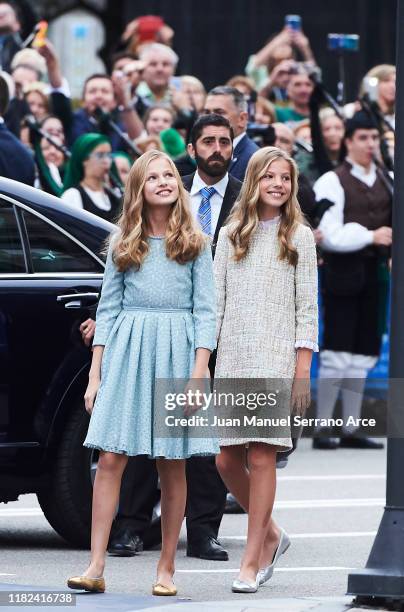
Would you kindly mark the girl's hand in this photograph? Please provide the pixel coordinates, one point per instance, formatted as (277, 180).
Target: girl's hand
(91, 394)
(197, 388)
(87, 330)
(301, 397)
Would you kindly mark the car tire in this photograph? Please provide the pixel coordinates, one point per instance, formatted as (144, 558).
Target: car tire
(66, 503)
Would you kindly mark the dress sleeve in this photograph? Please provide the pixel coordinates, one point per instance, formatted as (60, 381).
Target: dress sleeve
(306, 291)
(110, 303)
(204, 308)
(220, 266)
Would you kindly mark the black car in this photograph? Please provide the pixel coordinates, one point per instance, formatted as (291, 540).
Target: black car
(51, 270)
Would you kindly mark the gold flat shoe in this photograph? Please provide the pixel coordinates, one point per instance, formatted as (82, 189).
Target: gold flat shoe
(160, 589)
(93, 585)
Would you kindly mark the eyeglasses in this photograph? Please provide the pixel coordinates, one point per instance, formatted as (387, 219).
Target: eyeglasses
(100, 156)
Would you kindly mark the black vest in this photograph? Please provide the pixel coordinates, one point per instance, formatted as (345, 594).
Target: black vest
(369, 206)
(109, 215)
(348, 273)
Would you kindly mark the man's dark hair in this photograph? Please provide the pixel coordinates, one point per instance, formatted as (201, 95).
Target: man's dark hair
(96, 75)
(361, 120)
(206, 120)
(120, 55)
(236, 95)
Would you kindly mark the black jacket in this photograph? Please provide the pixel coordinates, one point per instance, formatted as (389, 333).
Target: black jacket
(241, 156)
(16, 162)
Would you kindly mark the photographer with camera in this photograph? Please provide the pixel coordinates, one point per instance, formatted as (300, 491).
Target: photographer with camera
(270, 67)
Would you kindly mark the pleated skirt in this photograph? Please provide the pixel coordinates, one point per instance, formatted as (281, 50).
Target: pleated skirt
(144, 346)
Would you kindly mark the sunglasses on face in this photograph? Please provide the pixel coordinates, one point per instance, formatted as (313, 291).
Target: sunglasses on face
(100, 156)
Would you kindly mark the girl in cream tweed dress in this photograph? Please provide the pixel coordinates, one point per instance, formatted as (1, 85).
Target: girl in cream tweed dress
(266, 282)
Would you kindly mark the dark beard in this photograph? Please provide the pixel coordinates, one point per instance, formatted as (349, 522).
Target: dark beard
(217, 169)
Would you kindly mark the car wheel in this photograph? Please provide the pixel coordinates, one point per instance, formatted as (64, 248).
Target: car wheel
(66, 503)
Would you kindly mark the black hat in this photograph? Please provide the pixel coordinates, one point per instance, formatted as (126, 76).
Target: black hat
(361, 120)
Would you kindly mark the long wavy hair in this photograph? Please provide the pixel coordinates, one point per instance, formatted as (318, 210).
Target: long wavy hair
(243, 221)
(183, 240)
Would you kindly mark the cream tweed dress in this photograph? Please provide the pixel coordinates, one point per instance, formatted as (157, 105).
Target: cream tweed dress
(266, 309)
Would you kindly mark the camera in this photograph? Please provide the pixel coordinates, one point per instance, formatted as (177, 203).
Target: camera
(294, 22)
(262, 135)
(343, 42)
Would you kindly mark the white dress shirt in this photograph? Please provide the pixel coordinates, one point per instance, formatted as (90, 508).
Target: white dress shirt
(339, 236)
(100, 199)
(216, 200)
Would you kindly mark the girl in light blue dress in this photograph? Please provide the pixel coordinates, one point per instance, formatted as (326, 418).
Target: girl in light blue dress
(155, 320)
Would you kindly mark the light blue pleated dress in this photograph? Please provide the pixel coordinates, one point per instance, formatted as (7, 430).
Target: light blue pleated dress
(150, 321)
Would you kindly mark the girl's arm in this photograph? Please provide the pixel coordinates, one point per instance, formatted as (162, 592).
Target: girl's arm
(110, 303)
(306, 291)
(204, 306)
(219, 267)
(306, 318)
(94, 378)
(109, 306)
(201, 363)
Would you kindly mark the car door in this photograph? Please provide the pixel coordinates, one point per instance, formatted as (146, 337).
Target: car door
(48, 281)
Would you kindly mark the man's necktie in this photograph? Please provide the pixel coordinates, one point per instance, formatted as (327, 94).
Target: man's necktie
(205, 210)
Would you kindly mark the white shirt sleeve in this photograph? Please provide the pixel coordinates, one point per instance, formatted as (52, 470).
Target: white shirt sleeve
(72, 196)
(338, 236)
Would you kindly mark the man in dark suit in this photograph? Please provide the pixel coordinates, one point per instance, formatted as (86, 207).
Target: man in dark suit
(211, 147)
(229, 102)
(16, 162)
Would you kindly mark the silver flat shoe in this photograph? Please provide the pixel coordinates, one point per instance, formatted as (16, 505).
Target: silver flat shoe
(265, 573)
(240, 586)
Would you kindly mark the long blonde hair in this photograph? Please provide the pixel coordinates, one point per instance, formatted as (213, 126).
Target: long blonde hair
(183, 240)
(243, 221)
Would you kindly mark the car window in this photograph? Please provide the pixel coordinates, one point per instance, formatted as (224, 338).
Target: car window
(11, 251)
(52, 251)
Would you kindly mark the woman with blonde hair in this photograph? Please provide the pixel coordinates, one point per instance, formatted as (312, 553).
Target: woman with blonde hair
(383, 77)
(155, 321)
(266, 282)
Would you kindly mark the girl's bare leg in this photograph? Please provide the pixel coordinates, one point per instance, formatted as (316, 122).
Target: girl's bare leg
(231, 463)
(262, 468)
(107, 485)
(173, 498)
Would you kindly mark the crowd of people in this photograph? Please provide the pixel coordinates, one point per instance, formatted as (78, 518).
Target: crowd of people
(270, 139)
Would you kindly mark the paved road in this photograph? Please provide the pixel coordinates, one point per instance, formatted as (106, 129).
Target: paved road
(330, 502)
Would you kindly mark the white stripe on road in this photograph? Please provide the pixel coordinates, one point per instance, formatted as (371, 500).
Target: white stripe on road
(20, 512)
(332, 477)
(8, 574)
(277, 569)
(328, 534)
(350, 502)
(280, 505)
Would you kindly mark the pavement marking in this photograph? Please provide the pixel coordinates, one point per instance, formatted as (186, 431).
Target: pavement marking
(8, 574)
(20, 512)
(332, 477)
(328, 534)
(331, 568)
(350, 502)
